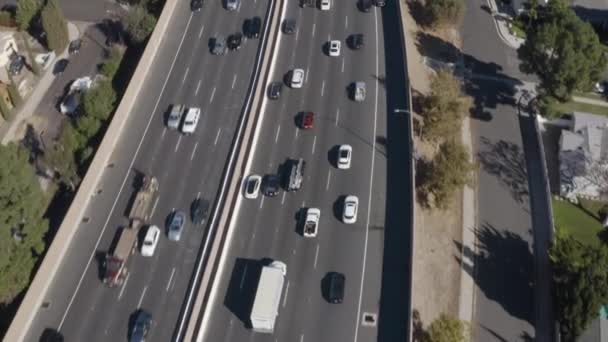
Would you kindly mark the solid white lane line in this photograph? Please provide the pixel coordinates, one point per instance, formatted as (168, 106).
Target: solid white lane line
(154, 206)
(186, 74)
(328, 179)
(322, 88)
(217, 136)
(193, 151)
(179, 139)
(233, 81)
(276, 137)
(262, 201)
(371, 186)
(198, 85)
(105, 225)
(337, 116)
(162, 135)
(342, 69)
(346, 22)
(283, 199)
(314, 142)
(170, 278)
(141, 299)
(286, 292)
(314, 27)
(212, 95)
(201, 32)
(122, 289)
(316, 257)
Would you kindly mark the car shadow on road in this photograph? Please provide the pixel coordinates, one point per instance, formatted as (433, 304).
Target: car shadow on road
(503, 268)
(242, 288)
(393, 315)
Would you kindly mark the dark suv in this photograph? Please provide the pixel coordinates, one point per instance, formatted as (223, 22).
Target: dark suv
(235, 41)
(274, 90)
(355, 41)
(196, 5)
(365, 5)
(252, 27)
(335, 287)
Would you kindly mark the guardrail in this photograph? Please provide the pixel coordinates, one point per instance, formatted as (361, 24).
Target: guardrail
(412, 179)
(63, 238)
(207, 261)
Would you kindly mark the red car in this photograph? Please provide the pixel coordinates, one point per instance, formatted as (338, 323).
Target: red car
(307, 119)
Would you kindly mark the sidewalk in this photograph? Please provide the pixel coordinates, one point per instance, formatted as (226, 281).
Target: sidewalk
(503, 15)
(590, 101)
(9, 131)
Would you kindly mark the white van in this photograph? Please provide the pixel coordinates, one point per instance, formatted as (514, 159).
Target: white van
(191, 120)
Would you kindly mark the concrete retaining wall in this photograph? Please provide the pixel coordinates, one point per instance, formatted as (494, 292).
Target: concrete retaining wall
(44, 277)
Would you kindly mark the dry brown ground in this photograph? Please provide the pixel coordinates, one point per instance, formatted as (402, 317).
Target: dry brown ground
(436, 272)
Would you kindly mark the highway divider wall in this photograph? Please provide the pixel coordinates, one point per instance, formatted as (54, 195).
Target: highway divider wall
(200, 289)
(412, 179)
(63, 238)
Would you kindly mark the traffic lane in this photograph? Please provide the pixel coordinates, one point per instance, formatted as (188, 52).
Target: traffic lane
(504, 298)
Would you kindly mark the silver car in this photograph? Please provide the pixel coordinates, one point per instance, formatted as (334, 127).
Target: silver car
(176, 225)
(349, 213)
(233, 5)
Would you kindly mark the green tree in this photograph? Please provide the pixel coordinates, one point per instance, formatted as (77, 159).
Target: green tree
(22, 226)
(444, 108)
(99, 101)
(139, 23)
(447, 329)
(26, 11)
(449, 171)
(563, 51)
(55, 26)
(61, 156)
(580, 277)
(441, 13)
(87, 126)
(111, 65)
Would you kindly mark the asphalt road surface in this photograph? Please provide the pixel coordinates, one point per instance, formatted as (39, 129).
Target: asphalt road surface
(267, 227)
(78, 304)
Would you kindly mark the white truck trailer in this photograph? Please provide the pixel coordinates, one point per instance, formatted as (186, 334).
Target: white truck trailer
(268, 297)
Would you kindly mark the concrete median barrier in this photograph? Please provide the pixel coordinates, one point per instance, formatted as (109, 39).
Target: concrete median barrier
(63, 238)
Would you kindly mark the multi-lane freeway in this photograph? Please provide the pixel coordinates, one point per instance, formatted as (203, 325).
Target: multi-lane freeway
(78, 304)
(266, 228)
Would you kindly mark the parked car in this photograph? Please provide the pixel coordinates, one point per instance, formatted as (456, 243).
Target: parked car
(141, 327)
(252, 186)
(344, 156)
(234, 41)
(60, 66)
(16, 65)
(71, 101)
(176, 225)
(199, 211)
(274, 90)
(74, 46)
(349, 213)
(150, 241)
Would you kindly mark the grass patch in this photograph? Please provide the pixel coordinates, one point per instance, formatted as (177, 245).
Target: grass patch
(571, 106)
(590, 95)
(517, 29)
(581, 222)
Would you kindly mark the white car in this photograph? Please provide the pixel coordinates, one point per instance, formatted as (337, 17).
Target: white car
(191, 120)
(325, 5)
(349, 213)
(334, 48)
(252, 186)
(150, 241)
(311, 222)
(344, 155)
(297, 78)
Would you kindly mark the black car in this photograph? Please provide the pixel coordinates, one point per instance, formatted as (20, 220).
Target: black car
(365, 5)
(74, 46)
(307, 3)
(379, 3)
(60, 66)
(271, 185)
(17, 63)
(143, 322)
(289, 26)
(234, 41)
(252, 27)
(196, 5)
(355, 41)
(335, 287)
(274, 90)
(199, 211)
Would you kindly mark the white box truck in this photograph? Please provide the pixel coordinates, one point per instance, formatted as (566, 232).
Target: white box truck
(268, 297)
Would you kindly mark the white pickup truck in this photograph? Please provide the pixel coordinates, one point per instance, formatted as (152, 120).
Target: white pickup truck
(311, 222)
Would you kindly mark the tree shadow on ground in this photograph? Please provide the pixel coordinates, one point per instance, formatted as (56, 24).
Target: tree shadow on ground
(419, 13)
(436, 48)
(503, 268)
(505, 160)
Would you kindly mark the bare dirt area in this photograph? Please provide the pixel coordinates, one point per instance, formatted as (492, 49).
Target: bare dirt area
(437, 233)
